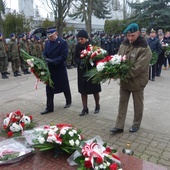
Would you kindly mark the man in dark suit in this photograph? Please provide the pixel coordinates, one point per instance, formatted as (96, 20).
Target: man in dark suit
(55, 52)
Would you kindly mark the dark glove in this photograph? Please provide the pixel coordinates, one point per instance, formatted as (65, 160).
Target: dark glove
(48, 60)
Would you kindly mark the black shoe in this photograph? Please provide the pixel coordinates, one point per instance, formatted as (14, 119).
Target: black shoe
(15, 74)
(116, 130)
(46, 111)
(25, 72)
(18, 74)
(6, 76)
(97, 109)
(28, 72)
(133, 129)
(67, 105)
(3, 76)
(153, 79)
(84, 112)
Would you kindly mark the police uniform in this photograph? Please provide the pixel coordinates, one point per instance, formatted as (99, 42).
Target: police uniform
(55, 52)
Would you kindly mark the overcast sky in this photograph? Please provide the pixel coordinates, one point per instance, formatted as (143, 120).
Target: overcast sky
(13, 4)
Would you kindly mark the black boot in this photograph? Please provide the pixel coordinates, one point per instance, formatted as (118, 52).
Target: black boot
(28, 72)
(3, 76)
(25, 72)
(15, 74)
(18, 73)
(6, 76)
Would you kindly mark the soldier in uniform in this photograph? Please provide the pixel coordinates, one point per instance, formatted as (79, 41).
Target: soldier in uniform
(14, 54)
(32, 46)
(3, 58)
(39, 47)
(69, 58)
(23, 45)
(73, 48)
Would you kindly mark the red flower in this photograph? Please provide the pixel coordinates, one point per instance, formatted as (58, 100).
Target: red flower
(88, 164)
(108, 150)
(10, 134)
(18, 112)
(5, 126)
(23, 124)
(30, 117)
(63, 125)
(99, 160)
(14, 119)
(113, 166)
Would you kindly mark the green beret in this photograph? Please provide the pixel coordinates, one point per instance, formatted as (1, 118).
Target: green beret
(133, 27)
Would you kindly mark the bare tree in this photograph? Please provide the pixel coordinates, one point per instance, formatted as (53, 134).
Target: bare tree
(60, 9)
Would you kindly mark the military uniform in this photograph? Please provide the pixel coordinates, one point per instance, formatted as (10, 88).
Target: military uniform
(3, 58)
(32, 46)
(69, 58)
(23, 45)
(39, 47)
(14, 54)
(139, 54)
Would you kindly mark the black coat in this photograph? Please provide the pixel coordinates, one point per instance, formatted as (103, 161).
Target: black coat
(57, 51)
(84, 86)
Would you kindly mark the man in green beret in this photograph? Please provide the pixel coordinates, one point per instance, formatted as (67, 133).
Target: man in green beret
(139, 54)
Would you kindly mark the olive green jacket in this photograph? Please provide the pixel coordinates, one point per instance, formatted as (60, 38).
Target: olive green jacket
(139, 54)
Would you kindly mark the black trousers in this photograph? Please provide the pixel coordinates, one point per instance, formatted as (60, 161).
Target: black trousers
(50, 99)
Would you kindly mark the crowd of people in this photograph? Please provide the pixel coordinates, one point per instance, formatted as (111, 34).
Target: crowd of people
(34, 45)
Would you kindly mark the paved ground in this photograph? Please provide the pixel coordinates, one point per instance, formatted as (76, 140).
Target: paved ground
(151, 142)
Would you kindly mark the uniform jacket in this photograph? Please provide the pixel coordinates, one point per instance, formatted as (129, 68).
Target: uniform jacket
(2, 49)
(57, 51)
(13, 49)
(139, 54)
(155, 45)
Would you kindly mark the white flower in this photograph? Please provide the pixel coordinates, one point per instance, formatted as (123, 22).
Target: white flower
(15, 127)
(101, 166)
(71, 133)
(71, 142)
(30, 62)
(42, 73)
(63, 131)
(108, 163)
(51, 139)
(116, 59)
(74, 131)
(79, 137)
(41, 140)
(86, 159)
(45, 132)
(100, 66)
(51, 132)
(77, 142)
(6, 121)
(96, 168)
(26, 119)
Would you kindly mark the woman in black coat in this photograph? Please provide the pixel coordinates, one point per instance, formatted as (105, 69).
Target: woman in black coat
(85, 86)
